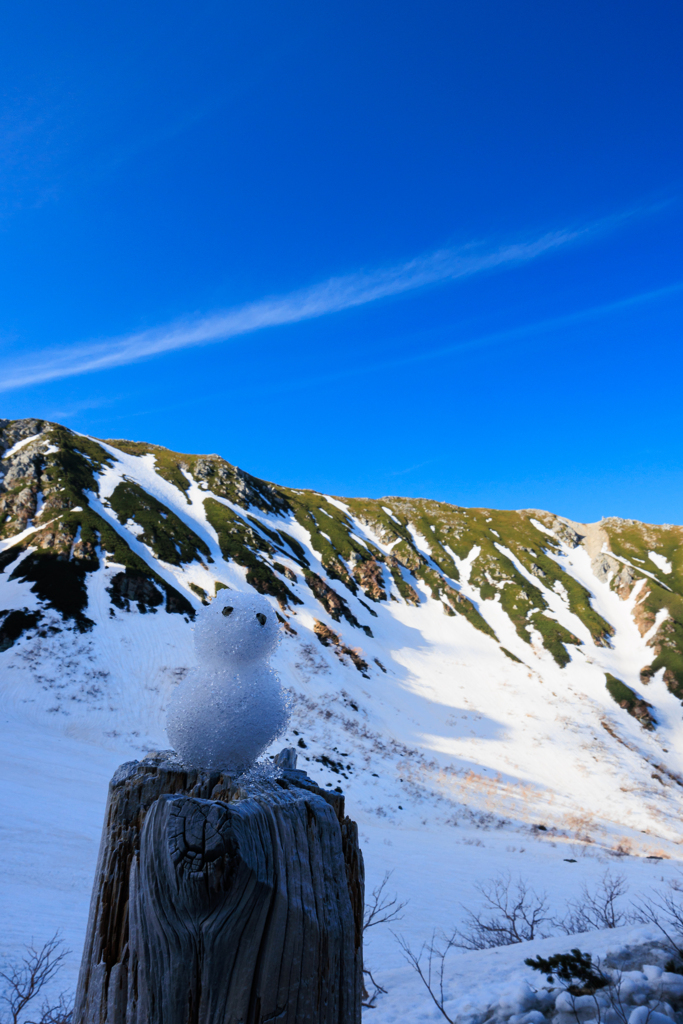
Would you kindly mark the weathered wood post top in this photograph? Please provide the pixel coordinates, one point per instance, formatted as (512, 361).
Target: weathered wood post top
(221, 900)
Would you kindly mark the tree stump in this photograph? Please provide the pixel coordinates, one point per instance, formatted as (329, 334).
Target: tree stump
(218, 901)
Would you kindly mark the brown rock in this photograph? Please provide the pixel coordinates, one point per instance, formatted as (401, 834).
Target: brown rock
(328, 638)
(325, 635)
(371, 578)
(333, 603)
(642, 616)
(17, 510)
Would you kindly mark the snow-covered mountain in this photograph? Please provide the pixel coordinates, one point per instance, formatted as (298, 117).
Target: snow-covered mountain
(488, 688)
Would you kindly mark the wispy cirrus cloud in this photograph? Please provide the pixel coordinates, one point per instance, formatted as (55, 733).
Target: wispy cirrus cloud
(331, 296)
(423, 353)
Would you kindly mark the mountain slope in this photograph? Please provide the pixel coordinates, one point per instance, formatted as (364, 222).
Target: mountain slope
(473, 673)
(514, 625)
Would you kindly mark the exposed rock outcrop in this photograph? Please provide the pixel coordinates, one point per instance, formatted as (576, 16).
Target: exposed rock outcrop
(328, 638)
(368, 573)
(332, 602)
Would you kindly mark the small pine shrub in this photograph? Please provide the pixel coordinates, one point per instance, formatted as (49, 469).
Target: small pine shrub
(575, 970)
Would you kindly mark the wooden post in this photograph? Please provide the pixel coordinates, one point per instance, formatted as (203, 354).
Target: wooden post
(223, 902)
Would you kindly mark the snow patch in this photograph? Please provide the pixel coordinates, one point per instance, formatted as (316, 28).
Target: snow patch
(660, 561)
(390, 514)
(542, 528)
(661, 616)
(19, 445)
(606, 551)
(333, 501)
(449, 759)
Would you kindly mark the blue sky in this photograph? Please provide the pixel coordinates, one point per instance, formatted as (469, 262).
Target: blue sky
(373, 248)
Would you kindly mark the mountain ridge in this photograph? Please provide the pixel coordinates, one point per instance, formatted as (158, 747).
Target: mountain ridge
(224, 480)
(400, 616)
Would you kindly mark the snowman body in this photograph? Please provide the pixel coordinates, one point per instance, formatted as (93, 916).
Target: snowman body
(232, 706)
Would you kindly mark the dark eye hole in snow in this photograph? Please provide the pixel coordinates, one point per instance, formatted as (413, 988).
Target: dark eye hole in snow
(228, 610)
(261, 617)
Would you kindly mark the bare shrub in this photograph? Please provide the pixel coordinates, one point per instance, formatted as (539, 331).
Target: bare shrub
(597, 908)
(429, 965)
(664, 909)
(380, 908)
(512, 912)
(59, 1012)
(25, 979)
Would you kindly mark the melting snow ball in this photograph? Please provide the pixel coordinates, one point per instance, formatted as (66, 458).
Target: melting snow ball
(227, 711)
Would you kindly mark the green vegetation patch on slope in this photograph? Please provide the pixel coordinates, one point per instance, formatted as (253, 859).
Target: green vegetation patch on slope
(212, 472)
(493, 573)
(330, 531)
(628, 699)
(667, 644)
(239, 542)
(633, 541)
(167, 536)
(370, 512)
(297, 551)
(407, 592)
(67, 544)
(522, 601)
(61, 583)
(395, 530)
(68, 549)
(555, 637)
(511, 656)
(79, 531)
(71, 470)
(344, 557)
(168, 464)
(14, 623)
(579, 601)
(62, 475)
(516, 532)
(10, 555)
(430, 525)
(200, 592)
(409, 557)
(530, 545)
(453, 601)
(335, 538)
(235, 485)
(445, 528)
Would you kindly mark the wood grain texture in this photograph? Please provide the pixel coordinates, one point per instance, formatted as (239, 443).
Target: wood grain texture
(223, 903)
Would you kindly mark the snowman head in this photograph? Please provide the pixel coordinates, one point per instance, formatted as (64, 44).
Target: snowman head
(236, 628)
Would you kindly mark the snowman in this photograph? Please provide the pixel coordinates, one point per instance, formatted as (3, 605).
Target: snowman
(229, 709)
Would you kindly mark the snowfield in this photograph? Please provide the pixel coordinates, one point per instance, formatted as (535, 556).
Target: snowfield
(457, 762)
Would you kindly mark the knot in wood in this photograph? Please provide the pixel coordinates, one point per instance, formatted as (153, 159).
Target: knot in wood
(198, 833)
